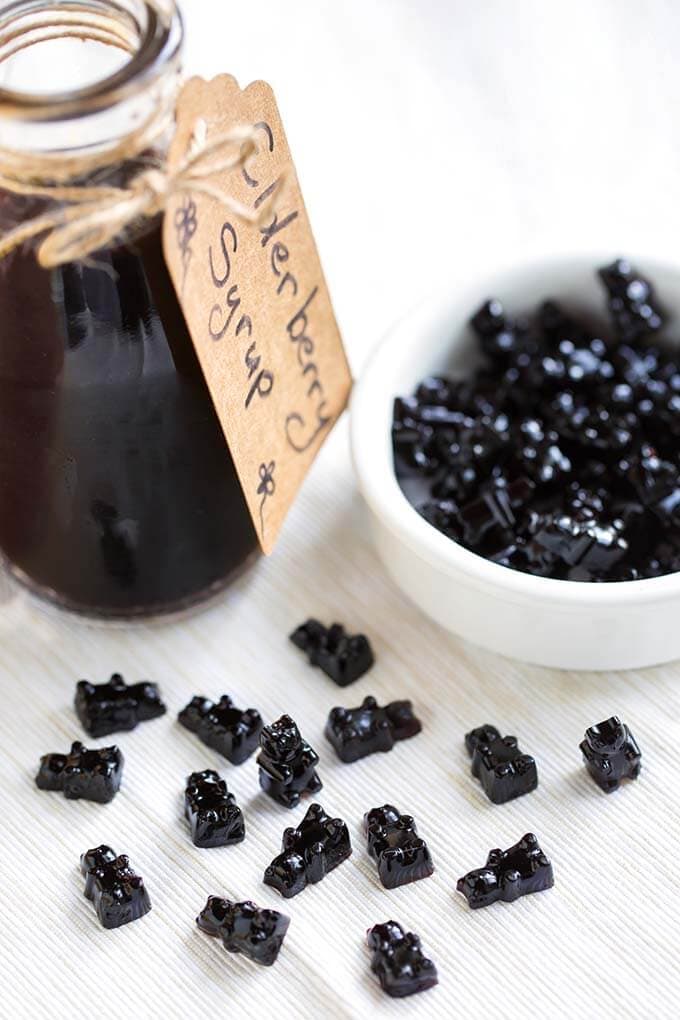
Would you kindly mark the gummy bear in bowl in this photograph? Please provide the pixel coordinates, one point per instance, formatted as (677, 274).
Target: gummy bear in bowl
(516, 441)
(558, 455)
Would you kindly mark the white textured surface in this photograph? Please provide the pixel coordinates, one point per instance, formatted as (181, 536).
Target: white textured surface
(426, 134)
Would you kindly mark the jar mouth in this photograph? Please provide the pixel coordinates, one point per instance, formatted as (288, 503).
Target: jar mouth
(154, 44)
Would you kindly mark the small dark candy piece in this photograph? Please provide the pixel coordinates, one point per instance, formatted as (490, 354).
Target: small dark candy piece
(245, 928)
(508, 874)
(287, 763)
(309, 852)
(357, 732)
(82, 774)
(586, 544)
(611, 754)
(343, 657)
(631, 301)
(118, 894)
(398, 960)
(108, 708)
(393, 842)
(212, 812)
(500, 337)
(502, 769)
(494, 508)
(232, 732)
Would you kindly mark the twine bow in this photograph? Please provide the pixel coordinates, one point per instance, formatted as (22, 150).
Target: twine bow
(87, 218)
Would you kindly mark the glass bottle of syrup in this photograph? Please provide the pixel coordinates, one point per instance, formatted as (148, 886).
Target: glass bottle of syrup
(118, 493)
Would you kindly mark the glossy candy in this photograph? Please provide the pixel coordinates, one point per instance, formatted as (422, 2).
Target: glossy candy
(109, 708)
(631, 301)
(593, 546)
(394, 844)
(309, 852)
(398, 960)
(245, 928)
(287, 763)
(495, 508)
(82, 774)
(343, 657)
(500, 337)
(118, 894)
(611, 754)
(508, 874)
(492, 461)
(502, 769)
(232, 732)
(357, 732)
(212, 812)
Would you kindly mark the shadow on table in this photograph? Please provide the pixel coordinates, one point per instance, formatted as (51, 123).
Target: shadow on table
(219, 966)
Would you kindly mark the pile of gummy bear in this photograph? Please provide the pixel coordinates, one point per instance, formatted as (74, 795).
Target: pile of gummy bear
(320, 843)
(559, 457)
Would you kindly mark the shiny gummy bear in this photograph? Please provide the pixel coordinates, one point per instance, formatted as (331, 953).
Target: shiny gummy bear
(118, 894)
(358, 732)
(611, 754)
(502, 769)
(394, 844)
(508, 874)
(287, 763)
(398, 960)
(245, 928)
(343, 657)
(212, 812)
(309, 852)
(232, 732)
(631, 301)
(87, 774)
(109, 708)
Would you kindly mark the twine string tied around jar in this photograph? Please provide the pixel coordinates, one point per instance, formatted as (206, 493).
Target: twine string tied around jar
(82, 218)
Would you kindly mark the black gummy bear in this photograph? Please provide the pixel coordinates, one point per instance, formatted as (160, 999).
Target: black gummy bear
(611, 754)
(287, 763)
(245, 928)
(212, 812)
(358, 732)
(500, 337)
(343, 657)
(631, 301)
(502, 769)
(82, 774)
(232, 732)
(118, 894)
(495, 508)
(394, 844)
(399, 961)
(109, 708)
(309, 852)
(508, 874)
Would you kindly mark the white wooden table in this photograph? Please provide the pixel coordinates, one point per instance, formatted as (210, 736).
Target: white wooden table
(428, 135)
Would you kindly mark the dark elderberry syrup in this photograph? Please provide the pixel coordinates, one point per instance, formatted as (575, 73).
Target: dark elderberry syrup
(118, 494)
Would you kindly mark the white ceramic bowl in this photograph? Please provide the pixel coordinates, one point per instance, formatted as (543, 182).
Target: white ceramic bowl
(566, 624)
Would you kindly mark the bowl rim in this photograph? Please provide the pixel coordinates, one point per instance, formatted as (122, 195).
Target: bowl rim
(385, 498)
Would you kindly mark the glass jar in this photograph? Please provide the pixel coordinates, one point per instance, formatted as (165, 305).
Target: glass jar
(118, 494)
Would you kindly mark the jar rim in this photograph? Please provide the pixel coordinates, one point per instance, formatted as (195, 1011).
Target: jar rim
(157, 54)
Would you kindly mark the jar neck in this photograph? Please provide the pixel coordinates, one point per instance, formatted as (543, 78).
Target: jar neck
(63, 135)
